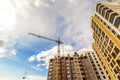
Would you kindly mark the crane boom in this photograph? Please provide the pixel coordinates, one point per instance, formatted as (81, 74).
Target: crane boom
(58, 41)
(45, 37)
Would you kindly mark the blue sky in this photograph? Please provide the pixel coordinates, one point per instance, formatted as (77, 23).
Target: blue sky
(22, 54)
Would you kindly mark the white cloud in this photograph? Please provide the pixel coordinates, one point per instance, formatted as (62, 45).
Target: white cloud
(6, 48)
(2, 52)
(53, 1)
(48, 54)
(20, 17)
(77, 17)
(38, 65)
(45, 56)
(13, 52)
(7, 24)
(2, 43)
(71, 1)
(7, 16)
(36, 68)
(32, 58)
(69, 19)
(41, 3)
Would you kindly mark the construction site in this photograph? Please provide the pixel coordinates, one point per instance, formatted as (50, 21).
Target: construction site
(103, 62)
(42, 56)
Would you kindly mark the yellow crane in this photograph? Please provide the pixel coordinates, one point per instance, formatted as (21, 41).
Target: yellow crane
(58, 49)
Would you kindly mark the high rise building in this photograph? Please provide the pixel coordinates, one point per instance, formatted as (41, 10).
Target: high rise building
(105, 24)
(85, 66)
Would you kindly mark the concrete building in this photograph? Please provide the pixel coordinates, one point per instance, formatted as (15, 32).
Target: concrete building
(105, 24)
(85, 66)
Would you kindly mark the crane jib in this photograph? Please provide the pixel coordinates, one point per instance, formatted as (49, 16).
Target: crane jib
(58, 41)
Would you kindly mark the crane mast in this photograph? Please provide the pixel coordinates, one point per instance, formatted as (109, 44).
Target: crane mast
(58, 46)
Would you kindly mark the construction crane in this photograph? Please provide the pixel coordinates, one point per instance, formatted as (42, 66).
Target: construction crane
(59, 77)
(57, 41)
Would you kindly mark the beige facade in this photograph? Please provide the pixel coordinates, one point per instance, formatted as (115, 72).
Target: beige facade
(85, 66)
(106, 33)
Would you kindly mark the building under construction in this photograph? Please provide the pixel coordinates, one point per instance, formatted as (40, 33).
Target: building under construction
(85, 66)
(105, 24)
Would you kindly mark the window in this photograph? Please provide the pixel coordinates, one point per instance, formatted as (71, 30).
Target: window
(71, 59)
(117, 22)
(100, 30)
(100, 68)
(108, 27)
(95, 68)
(104, 23)
(113, 32)
(109, 56)
(102, 72)
(100, 9)
(84, 78)
(74, 78)
(118, 69)
(107, 14)
(95, 15)
(104, 77)
(109, 77)
(103, 34)
(116, 50)
(97, 7)
(105, 54)
(85, 57)
(109, 49)
(111, 64)
(112, 17)
(103, 11)
(98, 77)
(68, 78)
(95, 58)
(118, 37)
(118, 61)
(108, 59)
(81, 57)
(115, 71)
(119, 77)
(98, 64)
(106, 71)
(82, 73)
(113, 55)
(111, 44)
(107, 39)
(97, 73)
